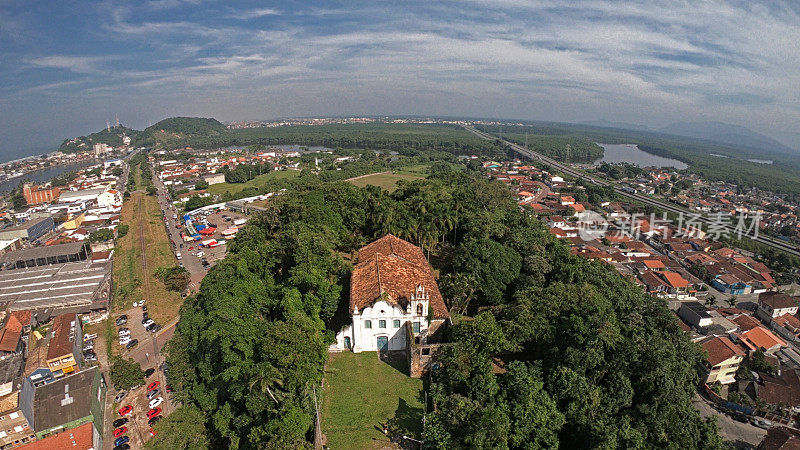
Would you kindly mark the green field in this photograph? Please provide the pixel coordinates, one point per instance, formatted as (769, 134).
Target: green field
(258, 181)
(361, 394)
(386, 181)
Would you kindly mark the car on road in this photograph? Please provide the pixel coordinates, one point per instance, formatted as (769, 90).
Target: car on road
(121, 320)
(153, 421)
(153, 394)
(149, 372)
(155, 402)
(132, 344)
(763, 423)
(121, 440)
(125, 410)
(152, 385)
(120, 431)
(153, 412)
(120, 422)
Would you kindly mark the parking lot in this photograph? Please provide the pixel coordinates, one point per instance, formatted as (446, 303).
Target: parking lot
(137, 428)
(221, 221)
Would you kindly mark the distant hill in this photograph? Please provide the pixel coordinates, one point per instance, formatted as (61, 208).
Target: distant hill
(181, 131)
(728, 134)
(619, 125)
(112, 137)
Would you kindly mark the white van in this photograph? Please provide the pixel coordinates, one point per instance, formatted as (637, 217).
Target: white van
(178, 255)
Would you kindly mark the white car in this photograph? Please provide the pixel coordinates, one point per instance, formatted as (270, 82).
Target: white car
(124, 340)
(201, 254)
(155, 402)
(148, 323)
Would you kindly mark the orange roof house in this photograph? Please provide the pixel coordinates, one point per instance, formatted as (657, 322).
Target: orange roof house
(761, 338)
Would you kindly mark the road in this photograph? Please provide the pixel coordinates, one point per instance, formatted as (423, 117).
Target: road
(767, 240)
(190, 262)
(739, 435)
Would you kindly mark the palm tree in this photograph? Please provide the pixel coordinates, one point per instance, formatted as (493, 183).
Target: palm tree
(266, 375)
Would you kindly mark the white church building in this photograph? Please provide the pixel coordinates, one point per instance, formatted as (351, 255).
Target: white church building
(391, 286)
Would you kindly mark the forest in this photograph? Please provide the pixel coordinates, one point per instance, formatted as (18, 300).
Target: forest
(592, 361)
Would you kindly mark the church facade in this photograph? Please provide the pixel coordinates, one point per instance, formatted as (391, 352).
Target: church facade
(394, 299)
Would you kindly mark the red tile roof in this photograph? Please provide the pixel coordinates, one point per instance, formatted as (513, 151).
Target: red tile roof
(395, 267)
(79, 438)
(11, 334)
(746, 323)
(789, 321)
(721, 349)
(762, 338)
(675, 280)
(24, 317)
(777, 300)
(60, 344)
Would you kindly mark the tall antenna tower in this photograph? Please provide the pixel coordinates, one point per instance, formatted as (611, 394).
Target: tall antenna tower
(108, 126)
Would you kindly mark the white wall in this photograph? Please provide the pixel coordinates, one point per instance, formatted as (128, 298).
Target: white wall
(366, 339)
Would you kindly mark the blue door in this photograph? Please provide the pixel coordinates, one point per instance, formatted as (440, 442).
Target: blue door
(347, 342)
(383, 343)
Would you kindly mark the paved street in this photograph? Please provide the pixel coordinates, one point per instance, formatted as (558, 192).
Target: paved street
(740, 435)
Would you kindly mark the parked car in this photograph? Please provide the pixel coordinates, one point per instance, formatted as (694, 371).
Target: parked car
(125, 410)
(152, 385)
(153, 412)
(763, 423)
(122, 320)
(168, 388)
(152, 432)
(148, 323)
(152, 328)
(153, 421)
(89, 337)
(153, 394)
(120, 395)
(120, 422)
(144, 308)
(149, 372)
(122, 447)
(124, 332)
(125, 341)
(121, 440)
(201, 254)
(155, 402)
(120, 431)
(90, 357)
(132, 344)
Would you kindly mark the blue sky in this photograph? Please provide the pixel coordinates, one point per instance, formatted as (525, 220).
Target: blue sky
(68, 66)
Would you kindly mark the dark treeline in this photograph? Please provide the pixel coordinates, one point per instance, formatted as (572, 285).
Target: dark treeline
(592, 361)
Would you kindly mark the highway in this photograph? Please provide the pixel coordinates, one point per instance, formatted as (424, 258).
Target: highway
(767, 240)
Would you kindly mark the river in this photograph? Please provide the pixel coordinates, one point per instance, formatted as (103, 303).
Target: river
(632, 154)
(42, 175)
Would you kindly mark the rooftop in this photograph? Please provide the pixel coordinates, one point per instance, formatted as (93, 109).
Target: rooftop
(721, 349)
(61, 342)
(393, 266)
(79, 438)
(777, 300)
(63, 401)
(48, 251)
(760, 337)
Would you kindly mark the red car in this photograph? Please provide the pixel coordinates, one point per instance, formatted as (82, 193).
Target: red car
(125, 410)
(120, 431)
(168, 389)
(153, 412)
(152, 386)
(153, 432)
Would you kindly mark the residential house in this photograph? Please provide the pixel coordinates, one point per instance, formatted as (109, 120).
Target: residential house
(760, 338)
(66, 345)
(787, 326)
(14, 427)
(11, 340)
(783, 389)
(780, 438)
(723, 360)
(695, 314)
(775, 304)
(391, 285)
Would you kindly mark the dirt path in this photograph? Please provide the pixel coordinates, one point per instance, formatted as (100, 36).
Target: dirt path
(145, 273)
(368, 175)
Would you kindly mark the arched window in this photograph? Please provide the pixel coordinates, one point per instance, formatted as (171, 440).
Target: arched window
(367, 324)
(419, 309)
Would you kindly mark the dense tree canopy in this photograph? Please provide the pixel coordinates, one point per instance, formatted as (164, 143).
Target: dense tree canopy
(589, 359)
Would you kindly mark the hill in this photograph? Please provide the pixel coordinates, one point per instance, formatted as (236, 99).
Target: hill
(727, 134)
(111, 136)
(180, 131)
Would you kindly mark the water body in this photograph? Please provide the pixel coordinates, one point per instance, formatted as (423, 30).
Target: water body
(43, 175)
(630, 153)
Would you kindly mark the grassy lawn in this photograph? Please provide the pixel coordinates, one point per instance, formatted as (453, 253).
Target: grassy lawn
(130, 284)
(361, 394)
(386, 181)
(233, 188)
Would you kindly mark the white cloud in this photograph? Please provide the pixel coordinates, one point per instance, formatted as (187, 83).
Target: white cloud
(254, 13)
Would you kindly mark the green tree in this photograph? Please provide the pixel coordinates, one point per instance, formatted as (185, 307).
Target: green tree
(103, 234)
(183, 429)
(201, 184)
(122, 230)
(125, 373)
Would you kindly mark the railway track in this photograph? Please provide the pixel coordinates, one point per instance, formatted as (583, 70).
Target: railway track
(766, 240)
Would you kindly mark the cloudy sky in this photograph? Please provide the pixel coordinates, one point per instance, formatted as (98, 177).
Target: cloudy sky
(68, 66)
